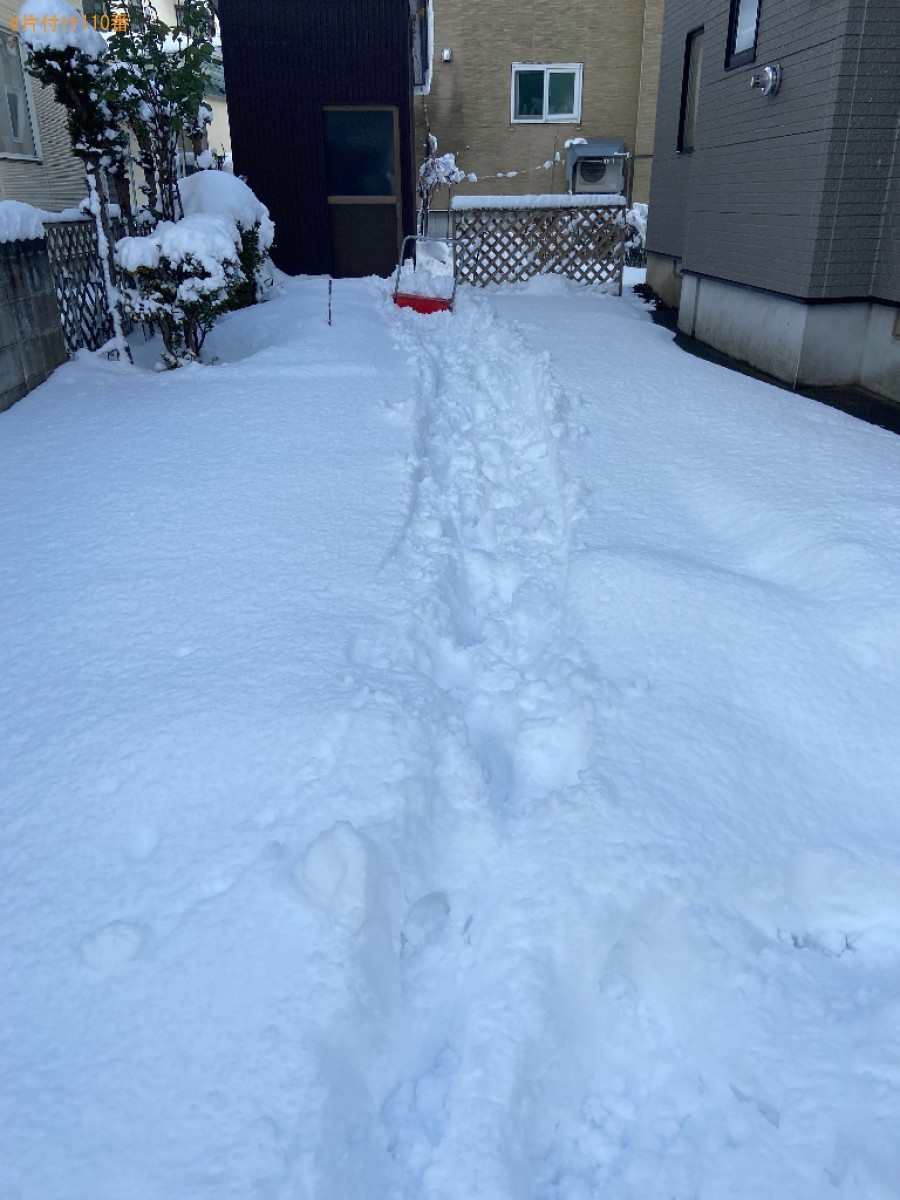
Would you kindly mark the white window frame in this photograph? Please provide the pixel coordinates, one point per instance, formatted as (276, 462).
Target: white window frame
(549, 69)
(29, 113)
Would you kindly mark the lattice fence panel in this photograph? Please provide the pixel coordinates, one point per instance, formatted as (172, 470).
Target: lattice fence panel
(508, 245)
(77, 275)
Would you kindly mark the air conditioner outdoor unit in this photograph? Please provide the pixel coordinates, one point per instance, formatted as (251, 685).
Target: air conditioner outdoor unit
(597, 166)
(599, 175)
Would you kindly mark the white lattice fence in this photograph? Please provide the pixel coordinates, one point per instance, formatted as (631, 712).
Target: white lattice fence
(508, 244)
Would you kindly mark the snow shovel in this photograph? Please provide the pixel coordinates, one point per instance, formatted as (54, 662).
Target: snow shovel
(426, 282)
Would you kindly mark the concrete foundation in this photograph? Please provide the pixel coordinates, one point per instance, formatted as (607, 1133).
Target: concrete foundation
(854, 343)
(664, 277)
(31, 338)
(879, 369)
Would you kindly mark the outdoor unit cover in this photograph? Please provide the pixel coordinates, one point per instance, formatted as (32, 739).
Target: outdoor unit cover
(597, 166)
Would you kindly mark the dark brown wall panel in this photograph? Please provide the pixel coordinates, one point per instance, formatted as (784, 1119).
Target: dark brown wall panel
(284, 61)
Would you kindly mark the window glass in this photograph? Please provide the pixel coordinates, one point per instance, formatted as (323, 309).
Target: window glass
(14, 104)
(745, 22)
(546, 92)
(561, 94)
(693, 63)
(529, 93)
(16, 135)
(359, 152)
(421, 48)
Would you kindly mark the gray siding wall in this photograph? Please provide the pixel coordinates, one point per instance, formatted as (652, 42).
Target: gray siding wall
(856, 254)
(785, 193)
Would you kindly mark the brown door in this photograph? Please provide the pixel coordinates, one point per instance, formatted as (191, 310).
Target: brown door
(363, 180)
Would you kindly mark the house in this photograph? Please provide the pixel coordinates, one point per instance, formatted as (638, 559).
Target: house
(775, 202)
(218, 131)
(505, 87)
(36, 160)
(320, 102)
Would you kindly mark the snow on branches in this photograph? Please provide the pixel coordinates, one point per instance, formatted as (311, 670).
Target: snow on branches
(436, 171)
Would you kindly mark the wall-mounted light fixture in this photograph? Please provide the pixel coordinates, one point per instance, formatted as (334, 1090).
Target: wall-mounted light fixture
(768, 80)
(447, 55)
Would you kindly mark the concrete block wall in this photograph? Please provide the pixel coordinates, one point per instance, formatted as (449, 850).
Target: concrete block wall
(31, 338)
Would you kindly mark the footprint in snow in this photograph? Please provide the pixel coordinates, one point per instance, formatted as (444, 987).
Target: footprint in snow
(424, 923)
(112, 946)
(142, 843)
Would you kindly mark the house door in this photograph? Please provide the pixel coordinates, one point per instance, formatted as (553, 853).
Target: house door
(361, 157)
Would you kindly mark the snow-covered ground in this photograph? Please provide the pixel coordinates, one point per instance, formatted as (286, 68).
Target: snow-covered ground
(447, 757)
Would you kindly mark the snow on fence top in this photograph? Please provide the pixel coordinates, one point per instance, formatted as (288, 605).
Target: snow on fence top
(19, 221)
(461, 203)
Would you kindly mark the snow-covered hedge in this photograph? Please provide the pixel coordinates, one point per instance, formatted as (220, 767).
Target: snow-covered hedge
(187, 273)
(219, 193)
(226, 195)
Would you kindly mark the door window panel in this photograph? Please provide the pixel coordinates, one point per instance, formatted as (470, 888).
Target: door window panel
(359, 149)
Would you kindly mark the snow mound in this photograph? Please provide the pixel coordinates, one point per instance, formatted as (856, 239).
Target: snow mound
(219, 194)
(58, 26)
(19, 221)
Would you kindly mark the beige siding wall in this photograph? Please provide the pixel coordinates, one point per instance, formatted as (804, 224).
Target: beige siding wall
(468, 108)
(57, 180)
(649, 89)
(219, 129)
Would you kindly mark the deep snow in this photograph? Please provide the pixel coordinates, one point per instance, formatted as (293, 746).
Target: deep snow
(447, 756)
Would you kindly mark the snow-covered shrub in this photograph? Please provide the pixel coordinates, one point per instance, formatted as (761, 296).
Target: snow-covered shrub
(636, 234)
(186, 273)
(221, 194)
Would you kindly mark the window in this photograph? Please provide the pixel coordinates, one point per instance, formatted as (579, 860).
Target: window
(17, 138)
(200, 19)
(742, 32)
(421, 41)
(546, 92)
(360, 152)
(690, 91)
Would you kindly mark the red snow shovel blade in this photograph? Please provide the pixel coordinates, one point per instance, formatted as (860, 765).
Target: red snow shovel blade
(422, 304)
